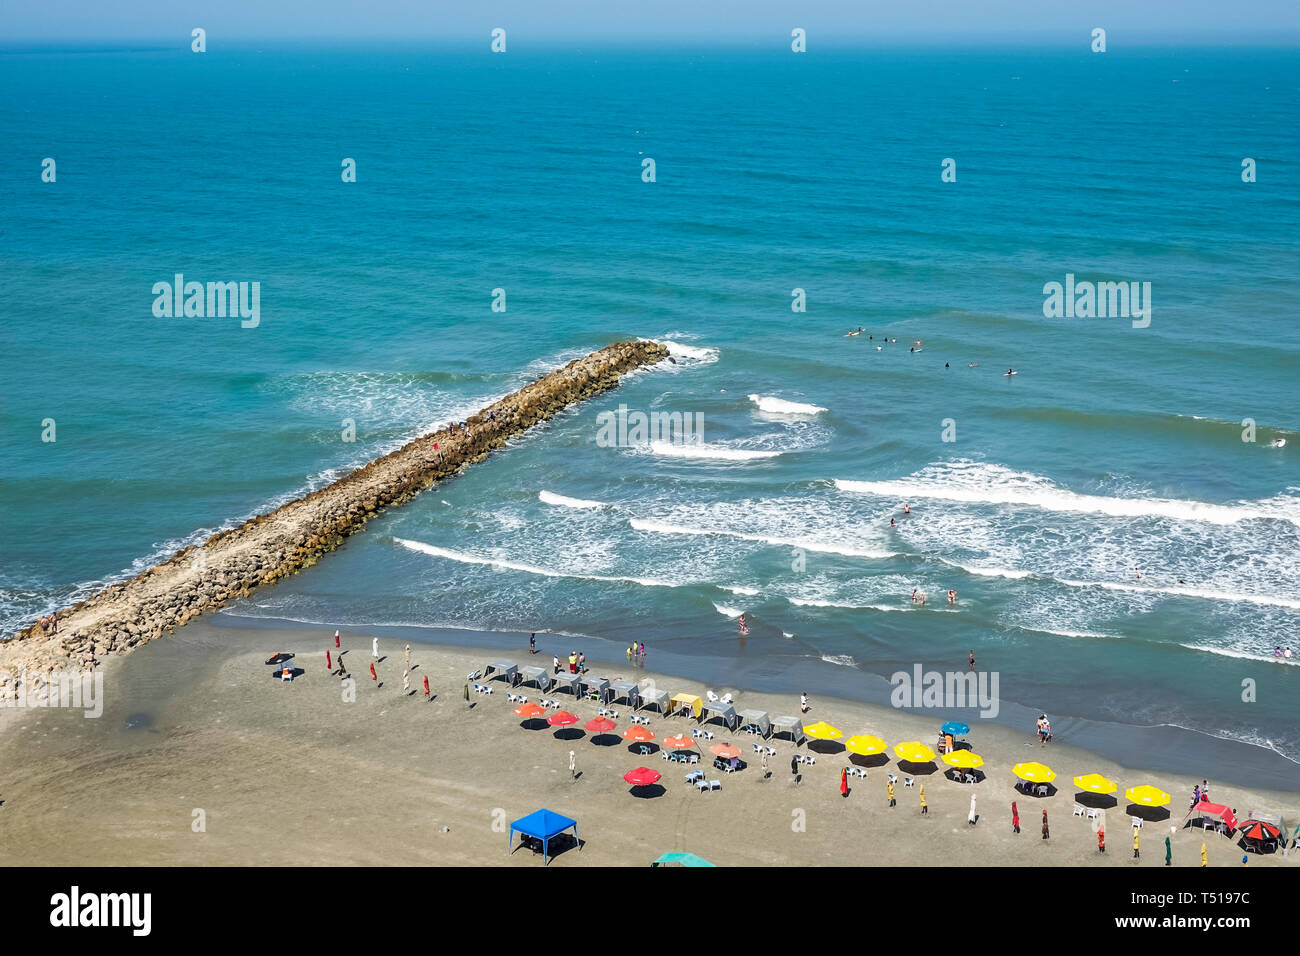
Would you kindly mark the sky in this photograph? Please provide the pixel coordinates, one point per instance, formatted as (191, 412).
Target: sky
(689, 22)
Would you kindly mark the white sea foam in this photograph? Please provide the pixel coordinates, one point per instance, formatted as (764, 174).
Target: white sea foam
(980, 483)
(697, 354)
(746, 592)
(779, 406)
(551, 498)
(843, 660)
(727, 609)
(462, 558)
(1241, 655)
(705, 451)
(1184, 591)
(808, 544)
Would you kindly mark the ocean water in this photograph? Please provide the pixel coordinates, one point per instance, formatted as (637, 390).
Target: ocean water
(1120, 554)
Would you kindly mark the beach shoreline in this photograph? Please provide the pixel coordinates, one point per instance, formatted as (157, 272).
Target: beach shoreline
(291, 773)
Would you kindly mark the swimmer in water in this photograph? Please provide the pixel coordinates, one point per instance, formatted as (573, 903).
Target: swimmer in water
(952, 596)
(972, 364)
(945, 364)
(1010, 371)
(891, 523)
(907, 509)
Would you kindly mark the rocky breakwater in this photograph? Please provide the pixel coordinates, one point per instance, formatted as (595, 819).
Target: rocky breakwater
(269, 547)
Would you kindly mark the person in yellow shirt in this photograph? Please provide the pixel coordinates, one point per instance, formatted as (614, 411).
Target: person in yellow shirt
(889, 787)
(924, 808)
(1136, 832)
(1205, 860)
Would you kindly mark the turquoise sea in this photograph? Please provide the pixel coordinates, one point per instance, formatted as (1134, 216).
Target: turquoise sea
(1123, 559)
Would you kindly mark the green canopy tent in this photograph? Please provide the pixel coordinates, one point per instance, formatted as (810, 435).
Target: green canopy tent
(681, 859)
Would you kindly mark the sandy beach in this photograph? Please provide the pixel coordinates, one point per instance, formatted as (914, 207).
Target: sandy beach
(202, 757)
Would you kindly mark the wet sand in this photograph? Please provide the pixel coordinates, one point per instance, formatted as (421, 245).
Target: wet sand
(291, 773)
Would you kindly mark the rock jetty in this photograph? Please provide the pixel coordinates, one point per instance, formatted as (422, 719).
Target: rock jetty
(272, 546)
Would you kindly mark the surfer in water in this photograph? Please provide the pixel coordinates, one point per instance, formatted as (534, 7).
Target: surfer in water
(1010, 371)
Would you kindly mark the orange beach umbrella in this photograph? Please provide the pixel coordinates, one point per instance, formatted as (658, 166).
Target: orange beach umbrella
(600, 725)
(726, 751)
(680, 741)
(530, 710)
(638, 733)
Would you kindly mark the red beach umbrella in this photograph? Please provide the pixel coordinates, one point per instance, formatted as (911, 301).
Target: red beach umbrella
(600, 725)
(562, 719)
(530, 710)
(638, 733)
(642, 776)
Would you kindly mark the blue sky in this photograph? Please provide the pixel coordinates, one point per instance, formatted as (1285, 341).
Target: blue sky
(691, 22)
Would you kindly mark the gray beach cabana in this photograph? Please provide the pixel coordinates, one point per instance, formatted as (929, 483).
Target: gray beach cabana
(626, 689)
(654, 697)
(507, 669)
(565, 681)
(789, 725)
(717, 708)
(758, 718)
(535, 675)
(599, 684)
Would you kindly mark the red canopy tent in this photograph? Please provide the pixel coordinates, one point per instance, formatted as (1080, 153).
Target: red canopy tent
(1207, 809)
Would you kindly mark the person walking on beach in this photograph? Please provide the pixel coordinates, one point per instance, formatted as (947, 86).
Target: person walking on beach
(803, 703)
(794, 767)
(1169, 853)
(406, 681)
(532, 643)
(426, 686)
(1205, 859)
(573, 765)
(972, 817)
(1015, 818)
(406, 657)
(1046, 834)
(336, 640)
(374, 648)
(844, 781)
(763, 764)
(556, 661)
(889, 789)
(329, 666)
(373, 675)
(924, 808)
(1101, 839)
(1136, 834)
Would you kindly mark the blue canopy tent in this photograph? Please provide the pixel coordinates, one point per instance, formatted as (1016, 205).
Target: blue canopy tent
(542, 825)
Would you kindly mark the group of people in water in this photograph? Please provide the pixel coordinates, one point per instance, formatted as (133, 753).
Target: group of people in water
(916, 347)
(1284, 652)
(918, 596)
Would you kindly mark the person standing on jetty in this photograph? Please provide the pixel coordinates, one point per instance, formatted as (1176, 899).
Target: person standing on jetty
(1015, 818)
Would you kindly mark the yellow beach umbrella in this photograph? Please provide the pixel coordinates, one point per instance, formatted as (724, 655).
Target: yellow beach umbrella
(1034, 772)
(1148, 796)
(822, 731)
(865, 745)
(914, 752)
(1095, 783)
(963, 759)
